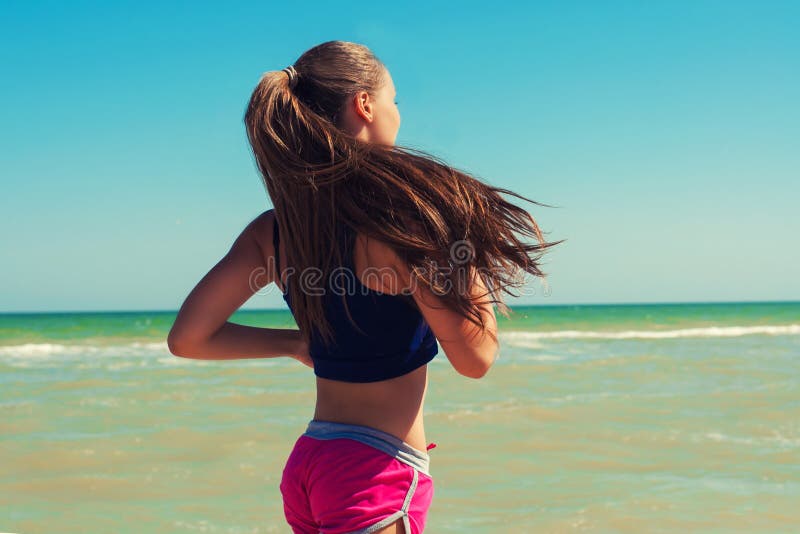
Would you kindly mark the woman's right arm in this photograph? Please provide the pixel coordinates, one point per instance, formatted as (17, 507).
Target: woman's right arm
(470, 349)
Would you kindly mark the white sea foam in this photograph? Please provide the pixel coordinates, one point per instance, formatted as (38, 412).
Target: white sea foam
(94, 353)
(31, 352)
(47, 350)
(530, 339)
(775, 439)
(543, 358)
(521, 340)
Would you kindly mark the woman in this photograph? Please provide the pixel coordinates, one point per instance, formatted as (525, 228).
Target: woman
(380, 251)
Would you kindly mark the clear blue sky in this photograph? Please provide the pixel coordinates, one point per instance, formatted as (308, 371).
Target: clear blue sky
(667, 132)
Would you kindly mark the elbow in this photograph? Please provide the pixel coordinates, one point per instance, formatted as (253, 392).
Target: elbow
(482, 363)
(476, 373)
(178, 346)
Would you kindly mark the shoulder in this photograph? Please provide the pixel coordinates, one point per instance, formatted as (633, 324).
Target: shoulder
(387, 256)
(383, 264)
(260, 229)
(263, 220)
(378, 252)
(257, 236)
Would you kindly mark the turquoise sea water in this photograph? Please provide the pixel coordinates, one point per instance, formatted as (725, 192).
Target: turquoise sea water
(619, 418)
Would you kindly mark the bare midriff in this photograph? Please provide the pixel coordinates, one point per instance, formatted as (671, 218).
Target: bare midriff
(394, 406)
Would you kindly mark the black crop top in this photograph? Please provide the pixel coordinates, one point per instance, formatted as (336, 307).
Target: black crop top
(396, 339)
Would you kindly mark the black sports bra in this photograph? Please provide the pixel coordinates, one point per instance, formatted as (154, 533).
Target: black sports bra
(395, 340)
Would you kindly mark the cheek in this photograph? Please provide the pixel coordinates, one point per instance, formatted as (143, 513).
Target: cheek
(387, 124)
(390, 123)
(393, 122)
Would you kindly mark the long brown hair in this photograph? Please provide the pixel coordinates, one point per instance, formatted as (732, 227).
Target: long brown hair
(326, 186)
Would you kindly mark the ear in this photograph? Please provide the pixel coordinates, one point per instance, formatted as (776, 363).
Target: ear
(362, 104)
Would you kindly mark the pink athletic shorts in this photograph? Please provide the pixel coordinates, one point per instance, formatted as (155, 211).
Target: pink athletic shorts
(342, 478)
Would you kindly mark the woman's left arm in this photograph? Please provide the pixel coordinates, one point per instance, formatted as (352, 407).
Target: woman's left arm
(202, 330)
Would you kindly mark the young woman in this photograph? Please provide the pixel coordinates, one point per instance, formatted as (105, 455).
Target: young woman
(380, 251)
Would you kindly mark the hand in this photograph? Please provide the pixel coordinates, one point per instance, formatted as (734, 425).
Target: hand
(302, 355)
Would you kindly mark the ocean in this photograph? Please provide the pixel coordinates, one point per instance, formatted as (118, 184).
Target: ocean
(596, 418)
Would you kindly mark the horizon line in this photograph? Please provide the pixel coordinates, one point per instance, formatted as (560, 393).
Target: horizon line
(286, 309)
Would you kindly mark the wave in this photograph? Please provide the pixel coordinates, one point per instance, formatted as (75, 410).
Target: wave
(775, 439)
(522, 339)
(45, 350)
(530, 339)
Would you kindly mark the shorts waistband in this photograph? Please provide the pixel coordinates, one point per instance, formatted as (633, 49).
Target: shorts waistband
(391, 445)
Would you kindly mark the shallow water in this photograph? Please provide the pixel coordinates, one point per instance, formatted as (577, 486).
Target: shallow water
(595, 418)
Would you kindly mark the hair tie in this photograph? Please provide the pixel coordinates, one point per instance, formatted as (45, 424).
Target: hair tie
(292, 74)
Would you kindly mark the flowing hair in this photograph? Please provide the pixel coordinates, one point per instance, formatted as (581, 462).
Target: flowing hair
(326, 186)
